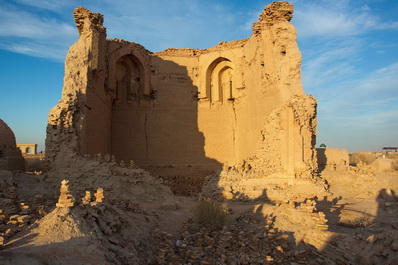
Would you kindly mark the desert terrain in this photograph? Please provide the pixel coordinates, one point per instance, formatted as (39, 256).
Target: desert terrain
(140, 220)
(173, 158)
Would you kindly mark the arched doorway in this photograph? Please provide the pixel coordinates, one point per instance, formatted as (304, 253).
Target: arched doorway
(129, 91)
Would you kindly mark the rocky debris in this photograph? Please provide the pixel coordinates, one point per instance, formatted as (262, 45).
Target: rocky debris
(116, 235)
(235, 186)
(10, 207)
(12, 193)
(184, 186)
(118, 231)
(309, 207)
(39, 205)
(243, 242)
(25, 208)
(118, 183)
(254, 239)
(16, 214)
(360, 249)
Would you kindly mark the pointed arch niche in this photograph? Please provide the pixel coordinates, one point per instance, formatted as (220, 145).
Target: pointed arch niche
(129, 85)
(220, 80)
(128, 96)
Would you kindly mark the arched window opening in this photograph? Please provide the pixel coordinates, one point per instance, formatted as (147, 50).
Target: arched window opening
(129, 85)
(220, 81)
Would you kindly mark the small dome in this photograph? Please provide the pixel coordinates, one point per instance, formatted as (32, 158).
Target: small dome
(7, 137)
(322, 146)
(10, 156)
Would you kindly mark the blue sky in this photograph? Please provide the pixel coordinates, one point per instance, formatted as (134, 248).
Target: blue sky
(349, 48)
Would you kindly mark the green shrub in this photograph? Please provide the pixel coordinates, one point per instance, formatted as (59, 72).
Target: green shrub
(211, 214)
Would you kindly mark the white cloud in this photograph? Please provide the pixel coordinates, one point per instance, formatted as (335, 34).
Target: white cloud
(174, 23)
(16, 23)
(357, 97)
(55, 51)
(54, 5)
(365, 113)
(331, 19)
(31, 34)
(333, 37)
(155, 24)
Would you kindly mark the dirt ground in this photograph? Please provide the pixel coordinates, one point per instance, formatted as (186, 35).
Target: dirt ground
(354, 220)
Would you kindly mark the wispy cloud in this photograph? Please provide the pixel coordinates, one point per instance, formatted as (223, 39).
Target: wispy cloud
(350, 71)
(31, 34)
(174, 23)
(330, 19)
(347, 64)
(17, 23)
(155, 24)
(365, 111)
(54, 5)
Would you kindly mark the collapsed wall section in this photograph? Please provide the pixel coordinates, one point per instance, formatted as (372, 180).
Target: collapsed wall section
(80, 123)
(187, 110)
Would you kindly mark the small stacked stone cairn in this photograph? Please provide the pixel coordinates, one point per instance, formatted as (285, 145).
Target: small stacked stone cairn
(99, 196)
(65, 198)
(87, 198)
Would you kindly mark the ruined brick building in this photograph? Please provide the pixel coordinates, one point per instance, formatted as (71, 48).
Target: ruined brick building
(237, 105)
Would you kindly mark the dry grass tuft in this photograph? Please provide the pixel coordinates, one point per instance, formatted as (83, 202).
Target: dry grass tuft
(358, 158)
(211, 214)
(394, 165)
(359, 222)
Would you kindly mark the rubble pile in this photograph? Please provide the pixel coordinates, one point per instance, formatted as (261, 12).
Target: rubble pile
(103, 171)
(360, 248)
(250, 240)
(184, 186)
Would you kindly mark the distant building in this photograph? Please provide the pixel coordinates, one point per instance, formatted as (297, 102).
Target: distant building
(390, 149)
(30, 149)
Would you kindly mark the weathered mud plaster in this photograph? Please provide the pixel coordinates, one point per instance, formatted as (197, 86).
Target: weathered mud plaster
(10, 156)
(237, 105)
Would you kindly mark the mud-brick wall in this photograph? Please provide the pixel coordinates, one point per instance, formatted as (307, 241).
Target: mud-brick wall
(236, 102)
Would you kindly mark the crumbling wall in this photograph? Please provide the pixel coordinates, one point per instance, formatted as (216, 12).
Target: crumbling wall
(10, 156)
(287, 140)
(80, 123)
(188, 108)
(333, 159)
